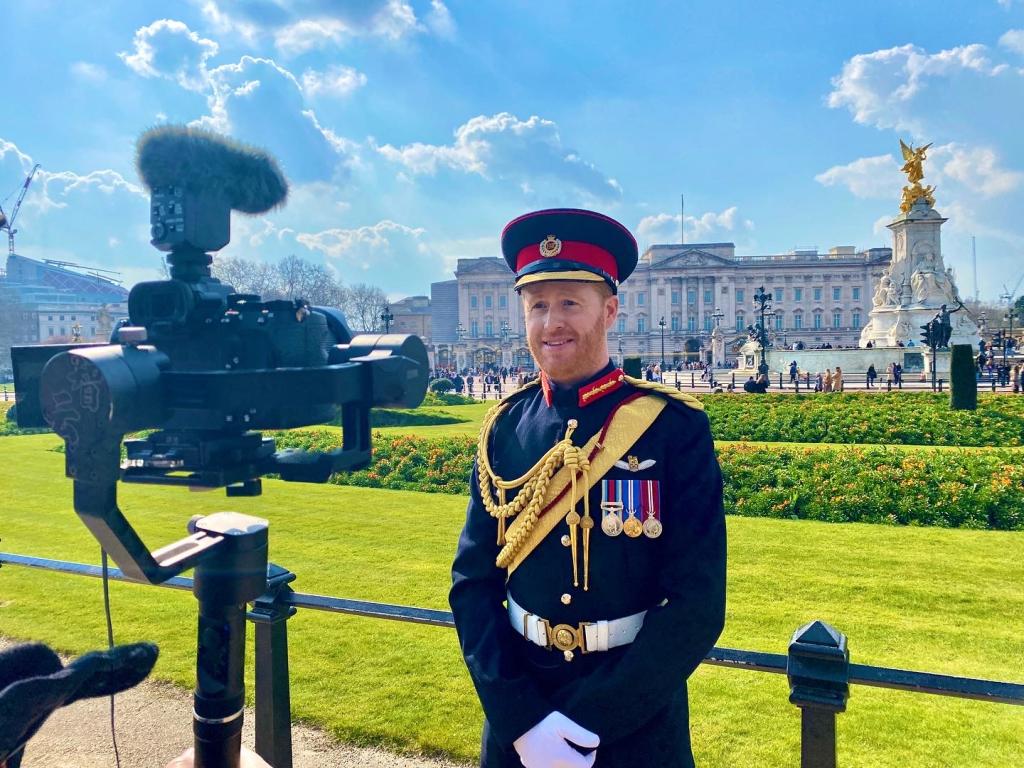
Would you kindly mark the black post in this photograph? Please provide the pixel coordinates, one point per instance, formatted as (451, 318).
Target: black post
(780, 379)
(270, 614)
(807, 379)
(818, 668)
(734, 380)
(691, 380)
(940, 385)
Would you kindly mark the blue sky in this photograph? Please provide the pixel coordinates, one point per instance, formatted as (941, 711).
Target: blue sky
(412, 130)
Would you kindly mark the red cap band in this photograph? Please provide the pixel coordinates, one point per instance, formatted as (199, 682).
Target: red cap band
(584, 253)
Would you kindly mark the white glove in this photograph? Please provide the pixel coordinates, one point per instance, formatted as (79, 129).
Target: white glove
(544, 745)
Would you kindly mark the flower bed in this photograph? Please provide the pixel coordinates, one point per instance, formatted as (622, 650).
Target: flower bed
(953, 489)
(902, 418)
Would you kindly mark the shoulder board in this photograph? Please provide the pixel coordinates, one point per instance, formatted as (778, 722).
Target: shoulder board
(669, 393)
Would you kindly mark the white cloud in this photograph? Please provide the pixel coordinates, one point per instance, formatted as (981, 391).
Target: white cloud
(877, 176)
(338, 81)
(260, 102)
(303, 25)
(88, 72)
(976, 168)
(363, 245)
(706, 228)
(1013, 39)
(169, 49)
(502, 146)
(309, 34)
(883, 88)
(440, 21)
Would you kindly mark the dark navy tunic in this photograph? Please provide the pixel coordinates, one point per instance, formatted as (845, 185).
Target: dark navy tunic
(633, 696)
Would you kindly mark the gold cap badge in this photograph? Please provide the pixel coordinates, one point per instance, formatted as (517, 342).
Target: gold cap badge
(550, 246)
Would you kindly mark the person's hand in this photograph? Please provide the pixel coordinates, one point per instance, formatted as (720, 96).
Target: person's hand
(248, 759)
(546, 744)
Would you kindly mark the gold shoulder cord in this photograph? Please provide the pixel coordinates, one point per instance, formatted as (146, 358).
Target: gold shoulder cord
(667, 391)
(533, 485)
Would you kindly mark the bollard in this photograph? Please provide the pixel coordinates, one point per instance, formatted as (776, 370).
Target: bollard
(818, 668)
(678, 385)
(734, 381)
(888, 384)
(993, 383)
(691, 380)
(940, 385)
(780, 379)
(796, 384)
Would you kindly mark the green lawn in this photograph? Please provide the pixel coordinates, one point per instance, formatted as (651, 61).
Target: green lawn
(938, 600)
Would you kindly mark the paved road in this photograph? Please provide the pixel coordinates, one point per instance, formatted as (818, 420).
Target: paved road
(154, 726)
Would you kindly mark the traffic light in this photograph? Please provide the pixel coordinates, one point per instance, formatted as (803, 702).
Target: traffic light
(997, 340)
(926, 334)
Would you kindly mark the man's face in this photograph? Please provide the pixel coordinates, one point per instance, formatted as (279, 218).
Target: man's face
(566, 327)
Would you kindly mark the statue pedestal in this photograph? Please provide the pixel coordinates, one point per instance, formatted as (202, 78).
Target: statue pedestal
(916, 285)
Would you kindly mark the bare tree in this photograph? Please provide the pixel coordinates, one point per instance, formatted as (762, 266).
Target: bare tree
(363, 306)
(291, 278)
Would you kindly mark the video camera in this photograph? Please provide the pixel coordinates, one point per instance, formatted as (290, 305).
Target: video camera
(207, 368)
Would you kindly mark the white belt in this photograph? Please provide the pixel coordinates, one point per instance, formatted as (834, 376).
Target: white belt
(587, 636)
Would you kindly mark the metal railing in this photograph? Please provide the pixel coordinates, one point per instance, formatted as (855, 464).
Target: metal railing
(817, 665)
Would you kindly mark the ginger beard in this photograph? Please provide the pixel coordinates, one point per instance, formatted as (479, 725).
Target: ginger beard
(567, 326)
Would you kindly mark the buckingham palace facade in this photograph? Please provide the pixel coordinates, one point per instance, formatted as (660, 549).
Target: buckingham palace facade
(676, 296)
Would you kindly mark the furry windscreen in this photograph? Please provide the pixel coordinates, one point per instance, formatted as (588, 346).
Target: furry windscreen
(200, 160)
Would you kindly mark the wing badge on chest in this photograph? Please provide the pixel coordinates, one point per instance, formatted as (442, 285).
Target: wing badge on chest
(633, 464)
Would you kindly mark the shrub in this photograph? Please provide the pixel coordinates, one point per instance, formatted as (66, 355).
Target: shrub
(951, 489)
(442, 385)
(435, 399)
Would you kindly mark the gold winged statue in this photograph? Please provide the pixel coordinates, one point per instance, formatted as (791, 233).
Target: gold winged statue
(913, 166)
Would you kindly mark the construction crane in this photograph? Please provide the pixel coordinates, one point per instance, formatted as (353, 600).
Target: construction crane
(1009, 295)
(7, 222)
(94, 271)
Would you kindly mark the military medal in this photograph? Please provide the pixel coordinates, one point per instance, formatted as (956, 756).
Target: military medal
(632, 527)
(651, 507)
(611, 508)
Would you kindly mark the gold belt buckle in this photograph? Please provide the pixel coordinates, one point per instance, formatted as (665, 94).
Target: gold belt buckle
(567, 638)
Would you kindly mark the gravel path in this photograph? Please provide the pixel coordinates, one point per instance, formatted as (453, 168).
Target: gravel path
(154, 725)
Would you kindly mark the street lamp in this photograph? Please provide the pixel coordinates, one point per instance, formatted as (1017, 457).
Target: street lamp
(386, 317)
(718, 314)
(622, 359)
(763, 305)
(460, 332)
(661, 324)
(505, 328)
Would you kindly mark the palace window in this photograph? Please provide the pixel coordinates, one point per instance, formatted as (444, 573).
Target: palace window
(856, 294)
(798, 294)
(778, 294)
(817, 294)
(798, 321)
(817, 320)
(741, 322)
(489, 327)
(641, 323)
(837, 319)
(51, 331)
(837, 294)
(691, 295)
(487, 302)
(739, 297)
(856, 318)
(675, 297)
(472, 302)
(691, 323)
(503, 301)
(707, 322)
(778, 322)
(474, 329)
(622, 325)
(623, 298)
(708, 298)
(641, 299)
(675, 322)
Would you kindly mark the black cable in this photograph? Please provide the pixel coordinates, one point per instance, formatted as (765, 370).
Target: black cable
(110, 644)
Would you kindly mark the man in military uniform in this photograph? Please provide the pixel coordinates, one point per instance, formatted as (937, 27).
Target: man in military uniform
(589, 580)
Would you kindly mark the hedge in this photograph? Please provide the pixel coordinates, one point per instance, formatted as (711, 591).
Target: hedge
(902, 418)
(952, 489)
